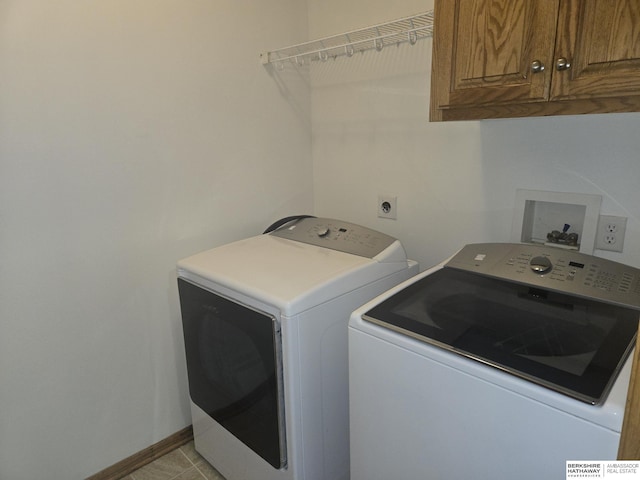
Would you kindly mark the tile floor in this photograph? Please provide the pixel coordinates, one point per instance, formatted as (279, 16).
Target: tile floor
(183, 463)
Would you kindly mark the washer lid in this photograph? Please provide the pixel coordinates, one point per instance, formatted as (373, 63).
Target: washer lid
(290, 275)
(570, 344)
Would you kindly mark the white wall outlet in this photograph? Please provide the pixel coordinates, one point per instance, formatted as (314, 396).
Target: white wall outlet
(387, 207)
(610, 233)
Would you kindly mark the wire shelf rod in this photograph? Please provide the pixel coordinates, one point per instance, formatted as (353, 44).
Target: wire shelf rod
(408, 29)
(343, 45)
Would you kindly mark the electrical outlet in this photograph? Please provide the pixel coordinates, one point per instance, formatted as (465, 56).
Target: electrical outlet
(610, 233)
(387, 207)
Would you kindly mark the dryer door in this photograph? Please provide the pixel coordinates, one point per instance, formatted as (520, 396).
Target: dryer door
(234, 367)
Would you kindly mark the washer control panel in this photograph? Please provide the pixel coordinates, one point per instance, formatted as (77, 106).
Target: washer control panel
(336, 235)
(553, 268)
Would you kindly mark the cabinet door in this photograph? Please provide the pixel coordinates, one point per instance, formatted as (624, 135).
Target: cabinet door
(484, 51)
(601, 41)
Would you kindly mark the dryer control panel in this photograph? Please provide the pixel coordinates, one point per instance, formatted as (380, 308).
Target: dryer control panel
(554, 269)
(336, 235)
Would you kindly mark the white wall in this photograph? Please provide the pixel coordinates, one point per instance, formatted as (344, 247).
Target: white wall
(455, 182)
(132, 133)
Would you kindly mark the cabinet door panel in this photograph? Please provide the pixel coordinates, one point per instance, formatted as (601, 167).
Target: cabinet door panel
(491, 45)
(486, 51)
(601, 40)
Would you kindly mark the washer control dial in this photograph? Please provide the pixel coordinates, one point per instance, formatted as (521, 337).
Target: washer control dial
(541, 265)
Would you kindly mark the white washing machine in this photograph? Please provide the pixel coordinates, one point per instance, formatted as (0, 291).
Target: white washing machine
(504, 362)
(265, 328)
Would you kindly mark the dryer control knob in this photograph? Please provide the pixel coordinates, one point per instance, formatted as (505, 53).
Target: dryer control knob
(541, 265)
(323, 231)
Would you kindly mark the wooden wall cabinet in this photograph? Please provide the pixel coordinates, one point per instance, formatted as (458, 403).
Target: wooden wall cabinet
(517, 58)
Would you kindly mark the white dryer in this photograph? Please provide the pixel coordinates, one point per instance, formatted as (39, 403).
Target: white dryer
(505, 362)
(265, 328)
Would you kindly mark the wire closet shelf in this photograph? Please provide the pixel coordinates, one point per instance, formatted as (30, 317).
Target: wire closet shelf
(409, 29)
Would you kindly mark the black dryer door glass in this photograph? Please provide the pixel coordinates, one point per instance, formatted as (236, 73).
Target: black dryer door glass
(572, 345)
(233, 365)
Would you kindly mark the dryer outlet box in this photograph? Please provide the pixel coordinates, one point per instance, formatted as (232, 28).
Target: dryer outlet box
(387, 207)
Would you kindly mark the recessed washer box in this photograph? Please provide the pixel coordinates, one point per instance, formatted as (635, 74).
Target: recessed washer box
(538, 214)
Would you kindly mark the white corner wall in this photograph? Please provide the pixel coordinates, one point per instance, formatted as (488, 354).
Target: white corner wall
(456, 181)
(132, 134)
